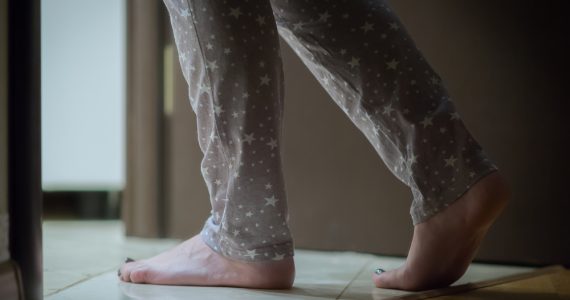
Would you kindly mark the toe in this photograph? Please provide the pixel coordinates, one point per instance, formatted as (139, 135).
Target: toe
(139, 274)
(125, 270)
(387, 279)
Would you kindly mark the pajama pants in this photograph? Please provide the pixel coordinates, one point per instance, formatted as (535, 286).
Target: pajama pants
(363, 57)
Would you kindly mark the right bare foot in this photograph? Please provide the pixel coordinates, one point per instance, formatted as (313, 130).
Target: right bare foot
(194, 263)
(444, 245)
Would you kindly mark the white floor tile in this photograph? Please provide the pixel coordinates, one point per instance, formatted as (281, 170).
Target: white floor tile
(363, 287)
(320, 275)
(74, 251)
(81, 259)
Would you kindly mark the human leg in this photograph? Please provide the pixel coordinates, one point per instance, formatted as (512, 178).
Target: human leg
(230, 57)
(362, 55)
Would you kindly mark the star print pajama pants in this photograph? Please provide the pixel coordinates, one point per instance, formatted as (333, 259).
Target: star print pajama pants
(367, 62)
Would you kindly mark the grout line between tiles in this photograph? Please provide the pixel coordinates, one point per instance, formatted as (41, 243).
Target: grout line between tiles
(90, 276)
(470, 286)
(366, 264)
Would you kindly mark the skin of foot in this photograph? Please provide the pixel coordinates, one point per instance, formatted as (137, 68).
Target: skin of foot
(443, 246)
(194, 263)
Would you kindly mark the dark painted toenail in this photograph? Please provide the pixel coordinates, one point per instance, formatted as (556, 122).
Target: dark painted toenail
(129, 259)
(379, 271)
(119, 272)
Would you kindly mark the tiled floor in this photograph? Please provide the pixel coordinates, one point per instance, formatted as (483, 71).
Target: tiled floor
(81, 260)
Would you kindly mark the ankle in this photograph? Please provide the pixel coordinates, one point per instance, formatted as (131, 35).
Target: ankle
(491, 196)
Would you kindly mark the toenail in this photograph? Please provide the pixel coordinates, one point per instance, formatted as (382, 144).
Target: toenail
(129, 259)
(379, 271)
(119, 272)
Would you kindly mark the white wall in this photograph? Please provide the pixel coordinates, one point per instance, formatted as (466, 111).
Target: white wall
(83, 94)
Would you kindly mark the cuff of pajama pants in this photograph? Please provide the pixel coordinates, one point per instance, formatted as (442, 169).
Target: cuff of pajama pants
(228, 246)
(426, 204)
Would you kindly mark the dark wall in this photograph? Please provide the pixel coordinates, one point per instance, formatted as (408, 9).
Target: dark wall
(505, 63)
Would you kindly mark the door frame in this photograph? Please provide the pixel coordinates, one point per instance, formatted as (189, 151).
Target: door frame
(24, 145)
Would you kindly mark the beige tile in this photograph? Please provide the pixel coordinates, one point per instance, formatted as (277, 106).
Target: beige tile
(77, 250)
(326, 274)
(108, 287)
(363, 287)
(479, 272)
(320, 275)
(81, 258)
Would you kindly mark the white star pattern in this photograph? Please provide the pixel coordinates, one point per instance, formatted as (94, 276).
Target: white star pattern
(427, 121)
(260, 20)
(324, 16)
(218, 109)
(212, 65)
(367, 27)
(272, 143)
(450, 161)
(185, 13)
(264, 80)
(249, 138)
(278, 256)
(251, 254)
(393, 64)
(235, 12)
(271, 201)
(388, 109)
(412, 159)
(394, 26)
(354, 62)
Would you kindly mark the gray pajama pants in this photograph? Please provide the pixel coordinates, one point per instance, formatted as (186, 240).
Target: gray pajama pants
(367, 62)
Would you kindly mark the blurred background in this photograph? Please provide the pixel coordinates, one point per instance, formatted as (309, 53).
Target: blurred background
(119, 135)
(83, 107)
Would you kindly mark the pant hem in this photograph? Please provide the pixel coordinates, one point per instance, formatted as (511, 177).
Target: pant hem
(421, 214)
(225, 246)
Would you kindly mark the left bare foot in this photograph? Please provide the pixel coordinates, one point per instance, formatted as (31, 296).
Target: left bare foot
(194, 263)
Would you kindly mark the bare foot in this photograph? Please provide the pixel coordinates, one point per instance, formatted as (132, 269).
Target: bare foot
(194, 263)
(443, 246)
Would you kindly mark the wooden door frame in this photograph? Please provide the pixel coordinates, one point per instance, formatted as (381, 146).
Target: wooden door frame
(24, 146)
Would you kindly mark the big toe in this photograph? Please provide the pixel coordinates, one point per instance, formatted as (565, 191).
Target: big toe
(126, 269)
(387, 279)
(140, 274)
